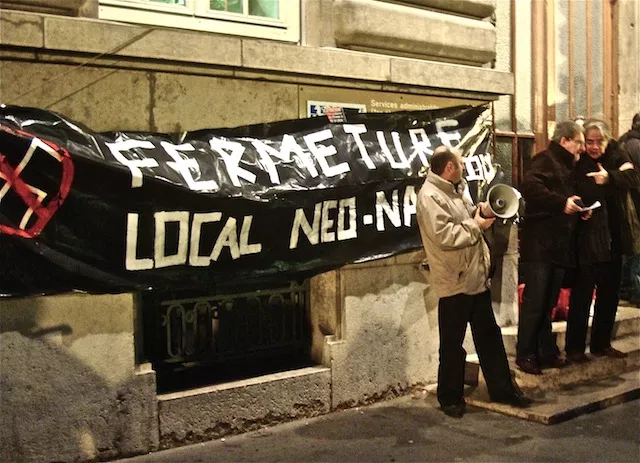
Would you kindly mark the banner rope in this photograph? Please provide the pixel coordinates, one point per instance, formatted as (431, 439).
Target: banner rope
(115, 49)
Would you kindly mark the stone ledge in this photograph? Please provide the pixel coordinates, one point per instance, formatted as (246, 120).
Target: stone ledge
(206, 413)
(475, 8)
(63, 7)
(258, 54)
(286, 62)
(95, 36)
(374, 25)
(21, 29)
(451, 76)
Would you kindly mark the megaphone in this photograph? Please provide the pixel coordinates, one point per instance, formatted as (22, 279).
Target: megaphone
(504, 201)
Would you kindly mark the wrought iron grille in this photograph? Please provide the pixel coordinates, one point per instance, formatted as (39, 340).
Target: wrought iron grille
(219, 328)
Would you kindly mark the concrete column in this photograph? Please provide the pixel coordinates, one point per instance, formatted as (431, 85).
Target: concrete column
(628, 62)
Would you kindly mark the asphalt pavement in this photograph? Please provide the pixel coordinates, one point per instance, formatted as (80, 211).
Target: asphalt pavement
(412, 429)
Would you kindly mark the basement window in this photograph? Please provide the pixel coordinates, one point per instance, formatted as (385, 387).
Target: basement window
(266, 19)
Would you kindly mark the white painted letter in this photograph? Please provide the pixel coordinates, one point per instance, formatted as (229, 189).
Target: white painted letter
(245, 247)
(488, 168)
(410, 200)
(131, 261)
(352, 230)
(134, 165)
(385, 149)
(322, 152)
(288, 146)
(392, 211)
(421, 146)
(356, 130)
(445, 136)
(228, 237)
(327, 236)
(231, 153)
(300, 222)
(180, 257)
(195, 259)
(473, 168)
(185, 166)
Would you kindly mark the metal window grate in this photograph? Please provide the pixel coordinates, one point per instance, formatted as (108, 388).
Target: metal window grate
(228, 331)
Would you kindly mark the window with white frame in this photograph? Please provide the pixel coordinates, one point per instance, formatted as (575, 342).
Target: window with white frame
(268, 19)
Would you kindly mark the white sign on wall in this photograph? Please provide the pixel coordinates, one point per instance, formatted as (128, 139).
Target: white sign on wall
(317, 108)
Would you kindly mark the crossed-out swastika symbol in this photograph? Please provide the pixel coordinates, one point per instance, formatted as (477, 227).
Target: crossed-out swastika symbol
(32, 196)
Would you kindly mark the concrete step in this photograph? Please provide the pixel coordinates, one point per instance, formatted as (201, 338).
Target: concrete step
(205, 413)
(627, 323)
(563, 404)
(597, 368)
(553, 379)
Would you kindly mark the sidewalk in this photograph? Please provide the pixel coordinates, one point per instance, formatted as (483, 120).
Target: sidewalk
(412, 429)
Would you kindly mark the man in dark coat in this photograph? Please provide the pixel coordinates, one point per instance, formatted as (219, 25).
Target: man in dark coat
(630, 141)
(546, 244)
(598, 252)
(630, 288)
(614, 174)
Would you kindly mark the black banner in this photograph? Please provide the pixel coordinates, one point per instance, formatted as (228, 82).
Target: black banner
(222, 208)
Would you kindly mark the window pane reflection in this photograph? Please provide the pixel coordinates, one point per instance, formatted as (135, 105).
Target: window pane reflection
(170, 2)
(264, 8)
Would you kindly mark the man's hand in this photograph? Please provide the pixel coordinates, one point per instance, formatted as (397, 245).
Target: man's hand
(481, 221)
(586, 215)
(485, 209)
(571, 206)
(626, 166)
(601, 177)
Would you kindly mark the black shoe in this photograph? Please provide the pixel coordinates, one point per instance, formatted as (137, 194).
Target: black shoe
(515, 399)
(610, 352)
(554, 361)
(529, 365)
(454, 411)
(578, 357)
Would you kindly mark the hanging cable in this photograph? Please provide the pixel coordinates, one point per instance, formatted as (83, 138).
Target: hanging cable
(116, 49)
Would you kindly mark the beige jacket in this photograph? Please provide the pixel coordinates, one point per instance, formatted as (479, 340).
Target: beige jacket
(457, 254)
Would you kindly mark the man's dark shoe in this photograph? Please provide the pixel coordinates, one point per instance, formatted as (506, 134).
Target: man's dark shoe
(554, 362)
(610, 352)
(515, 399)
(454, 411)
(529, 365)
(578, 357)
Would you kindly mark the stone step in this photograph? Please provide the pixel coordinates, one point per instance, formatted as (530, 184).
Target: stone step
(627, 323)
(597, 368)
(210, 412)
(563, 404)
(553, 379)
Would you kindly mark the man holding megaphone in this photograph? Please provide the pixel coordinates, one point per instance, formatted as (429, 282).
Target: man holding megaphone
(452, 229)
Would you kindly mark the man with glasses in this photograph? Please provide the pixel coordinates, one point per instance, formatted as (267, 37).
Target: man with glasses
(546, 244)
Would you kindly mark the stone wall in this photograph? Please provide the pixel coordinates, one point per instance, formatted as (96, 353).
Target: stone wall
(70, 389)
(628, 62)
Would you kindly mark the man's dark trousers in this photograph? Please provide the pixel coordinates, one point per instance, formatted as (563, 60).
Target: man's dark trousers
(454, 312)
(542, 287)
(606, 277)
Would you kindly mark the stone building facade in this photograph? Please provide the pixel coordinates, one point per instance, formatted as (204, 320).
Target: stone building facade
(76, 383)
